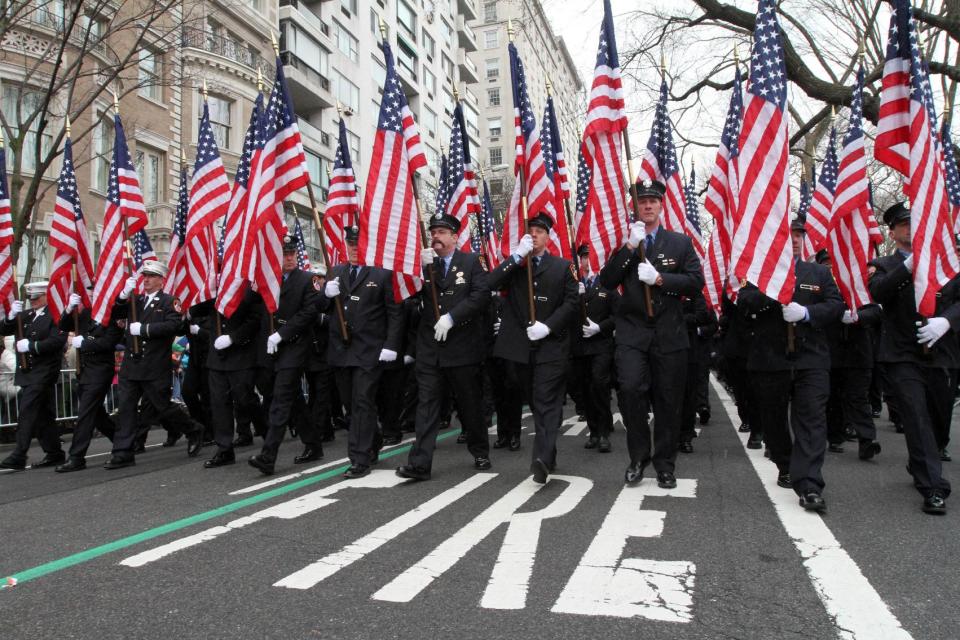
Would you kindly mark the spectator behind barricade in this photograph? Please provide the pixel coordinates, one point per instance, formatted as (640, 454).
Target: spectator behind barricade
(180, 359)
(8, 390)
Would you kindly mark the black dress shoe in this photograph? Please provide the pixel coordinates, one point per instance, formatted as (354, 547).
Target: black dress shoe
(592, 443)
(515, 443)
(813, 501)
(754, 443)
(604, 446)
(244, 440)
(462, 438)
(310, 454)
(744, 427)
(481, 463)
(539, 470)
(171, 439)
(72, 464)
(374, 456)
(666, 480)
(50, 460)
(220, 459)
(835, 448)
(867, 449)
(501, 443)
(389, 441)
(945, 455)
(194, 444)
(934, 504)
(875, 412)
(783, 480)
(704, 413)
(10, 462)
(686, 447)
(634, 473)
(119, 462)
(140, 447)
(850, 435)
(411, 472)
(356, 471)
(261, 464)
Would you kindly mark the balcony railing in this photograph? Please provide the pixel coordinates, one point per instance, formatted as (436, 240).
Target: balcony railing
(230, 49)
(309, 16)
(290, 59)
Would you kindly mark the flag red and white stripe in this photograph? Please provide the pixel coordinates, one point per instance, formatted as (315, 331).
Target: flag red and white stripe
(7, 280)
(343, 208)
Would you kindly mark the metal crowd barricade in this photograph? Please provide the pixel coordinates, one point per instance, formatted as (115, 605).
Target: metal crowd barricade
(65, 394)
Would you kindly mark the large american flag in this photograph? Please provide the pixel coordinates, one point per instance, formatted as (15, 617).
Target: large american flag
(389, 228)
(303, 258)
(907, 141)
(68, 237)
(142, 252)
(803, 208)
(581, 206)
(762, 252)
(7, 281)
(849, 235)
(124, 203)
(690, 201)
(486, 236)
(232, 283)
(178, 269)
(721, 200)
(529, 161)
(278, 167)
(818, 213)
(343, 208)
(443, 186)
(556, 169)
(603, 216)
(660, 163)
(952, 175)
(462, 198)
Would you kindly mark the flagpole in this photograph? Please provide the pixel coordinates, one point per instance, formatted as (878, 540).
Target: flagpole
(76, 280)
(22, 357)
(135, 340)
(531, 305)
(483, 243)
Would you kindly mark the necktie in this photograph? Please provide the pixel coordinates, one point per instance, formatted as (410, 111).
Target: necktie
(648, 244)
(536, 262)
(354, 270)
(446, 267)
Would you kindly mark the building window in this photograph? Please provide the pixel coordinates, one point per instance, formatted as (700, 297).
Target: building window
(493, 97)
(496, 156)
(349, 6)
(317, 168)
(94, 29)
(429, 81)
(379, 74)
(347, 44)
(407, 59)
(256, 5)
(495, 126)
(447, 32)
(448, 103)
(102, 149)
(20, 105)
(407, 18)
(376, 111)
(493, 68)
(491, 39)
(489, 11)
(429, 45)
(429, 121)
(347, 93)
(496, 186)
(150, 167)
(447, 65)
(150, 76)
(354, 141)
(307, 50)
(220, 120)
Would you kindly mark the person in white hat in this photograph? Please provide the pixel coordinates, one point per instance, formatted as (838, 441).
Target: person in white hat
(40, 353)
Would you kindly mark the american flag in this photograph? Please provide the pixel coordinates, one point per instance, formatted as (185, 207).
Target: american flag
(389, 228)
(232, 283)
(303, 258)
(952, 175)
(849, 236)
(556, 168)
(343, 208)
(660, 163)
(873, 227)
(603, 216)
(443, 186)
(124, 203)
(818, 213)
(142, 252)
(529, 162)
(486, 236)
(762, 252)
(68, 237)
(7, 281)
(278, 167)
(721, 200)
(803, 208)
(690, 201)
(462, 199)
(581, 213)
(907, 141)
(177, 274)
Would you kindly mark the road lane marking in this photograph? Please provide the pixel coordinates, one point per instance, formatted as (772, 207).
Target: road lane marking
(856, 608)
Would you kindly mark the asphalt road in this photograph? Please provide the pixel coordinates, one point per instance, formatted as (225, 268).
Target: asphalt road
(168, 549)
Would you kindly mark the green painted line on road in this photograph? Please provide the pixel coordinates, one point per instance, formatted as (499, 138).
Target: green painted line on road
(95, 552)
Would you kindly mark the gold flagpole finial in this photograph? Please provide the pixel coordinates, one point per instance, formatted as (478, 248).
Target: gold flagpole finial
(736, 55)
(273, 41)
(549, 88)
(861, 50)
(205, 94)
(339, 109)
(456, 94)
(510, 31)
(116, 103)
(663, 65)
(383, 29)
(183, 155)
(482, 175)
(67, 127)
(259, 80)
(443, 150)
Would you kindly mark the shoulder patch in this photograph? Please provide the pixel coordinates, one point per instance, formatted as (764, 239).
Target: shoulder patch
(573, 271)
(177, 306)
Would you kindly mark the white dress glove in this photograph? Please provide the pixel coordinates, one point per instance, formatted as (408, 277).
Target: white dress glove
(76, 341)
(496, 328)
(647, 273)
(387, 355)
(222, 342)
(581, 288)
(929, 333)
(135, 328)
(794, 312)
(332, 288)
(427, 256)
(15, 308)
(636, 234)
(409, 360)
(23, 345)
(194, 329)
(538, 331)
(442, 327)
(128, 287)
(848, 317)
(590, 329)
(908, 263)
(273, 340)
(73, 302)
(525, 246)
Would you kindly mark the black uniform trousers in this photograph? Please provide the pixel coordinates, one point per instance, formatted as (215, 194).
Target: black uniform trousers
(319, 388)
(432, 383)
(691, 396)
(390, 400)
(156, 394)
(195, 391)
(286, 402)
(91, 415)
(806, 392)
(38, 416)
(544, 386)
(358, 390)
(507, 397)
(923, 399)
(651, 377)
(849, 404)
(231, 395)
(594, 375)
